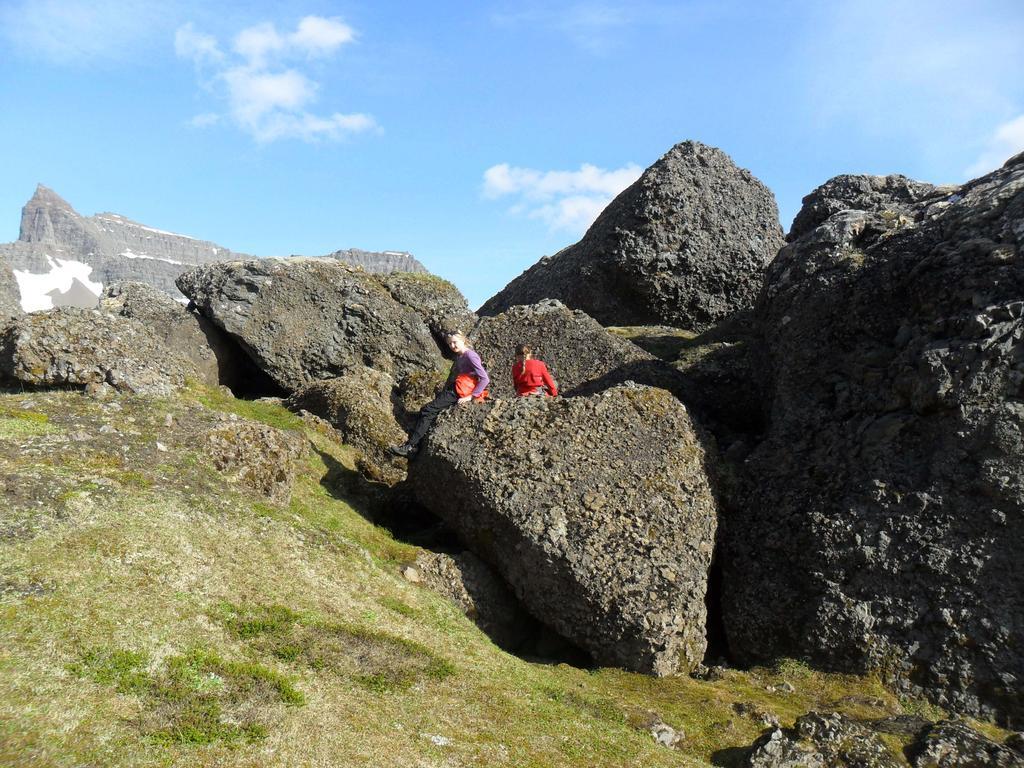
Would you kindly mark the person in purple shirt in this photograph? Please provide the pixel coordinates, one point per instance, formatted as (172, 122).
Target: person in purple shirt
(467, 361)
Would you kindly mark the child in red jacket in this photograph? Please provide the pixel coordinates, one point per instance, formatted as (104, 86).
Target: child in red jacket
(531, 377)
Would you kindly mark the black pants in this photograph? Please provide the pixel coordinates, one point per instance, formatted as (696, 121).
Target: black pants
(429, 413)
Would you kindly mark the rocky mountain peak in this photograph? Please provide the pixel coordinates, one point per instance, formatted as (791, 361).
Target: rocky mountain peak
(39, 215)
(62, 258)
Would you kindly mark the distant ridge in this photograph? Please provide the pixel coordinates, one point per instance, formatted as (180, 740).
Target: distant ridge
(62, 258)
(379, 261)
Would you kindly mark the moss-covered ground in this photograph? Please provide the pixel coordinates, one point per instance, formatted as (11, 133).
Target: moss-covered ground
(152, 614)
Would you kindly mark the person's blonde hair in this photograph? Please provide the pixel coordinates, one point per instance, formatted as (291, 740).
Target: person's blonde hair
(460, 336)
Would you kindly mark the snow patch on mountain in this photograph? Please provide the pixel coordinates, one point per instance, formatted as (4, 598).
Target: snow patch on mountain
(39, 290)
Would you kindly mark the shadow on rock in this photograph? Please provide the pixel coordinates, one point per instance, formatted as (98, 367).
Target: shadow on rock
(730, 757)
(389, 507)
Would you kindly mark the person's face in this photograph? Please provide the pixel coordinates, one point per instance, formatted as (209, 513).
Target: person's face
(456, 345)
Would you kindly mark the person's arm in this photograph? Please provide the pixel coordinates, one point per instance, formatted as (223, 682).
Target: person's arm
(549, 382)
(477, 368)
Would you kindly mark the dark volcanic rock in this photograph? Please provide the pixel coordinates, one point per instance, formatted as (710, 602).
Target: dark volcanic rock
(79, 347)
(821, 741)
(190, 335)
(441, 304)
(685, 245)
(358, 405)
(303, 320)
(885, 518)
(597, 510)
(10, 296)
(892, 196)
(577, 350)
(952, 744)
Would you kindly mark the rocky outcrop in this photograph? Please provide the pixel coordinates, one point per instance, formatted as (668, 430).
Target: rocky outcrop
(10, 296)
(685, 245)
(358, 405)
(441, 305)
(579, 352)
(892, 196)
(81, 347)
(597, 510)
(953, 744)
(835, 741)
(882, 527)
(189, 335)
(304, 320)
(256, 456)
(821, 741)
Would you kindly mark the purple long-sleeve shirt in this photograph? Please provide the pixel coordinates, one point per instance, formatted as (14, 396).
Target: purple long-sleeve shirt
(469, 362)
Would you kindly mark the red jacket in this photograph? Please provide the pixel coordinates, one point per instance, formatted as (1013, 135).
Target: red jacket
(531, 376)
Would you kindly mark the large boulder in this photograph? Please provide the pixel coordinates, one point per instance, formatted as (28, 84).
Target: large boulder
(578, 351)
(884, 521)
(189, 334)
(69, 346)
(10, 296)
(954, 744)
(597, 510)
(303, 320)
(358, 405)
(821, 741)
(684, 245)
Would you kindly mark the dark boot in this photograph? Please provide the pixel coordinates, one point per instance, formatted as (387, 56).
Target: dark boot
(405, 450)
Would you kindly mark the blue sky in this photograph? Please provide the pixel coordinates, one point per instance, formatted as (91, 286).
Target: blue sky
(480, 136)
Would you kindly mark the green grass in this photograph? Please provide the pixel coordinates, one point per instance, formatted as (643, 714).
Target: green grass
(398, 606)
(380, 661)
(197, 698)
(16, 424)
(660, 341)
(124, 670)
(271, 414)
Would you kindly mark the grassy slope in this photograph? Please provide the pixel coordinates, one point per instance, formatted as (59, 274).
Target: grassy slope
(151, 614)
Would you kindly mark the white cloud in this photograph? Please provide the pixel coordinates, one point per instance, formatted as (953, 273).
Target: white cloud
(253, 93)
(1005, 142)
(314, 36)
(74, 32)
(265, 98)
(566, 200)
(310, 127)
(319, 36)
(200, 48)
(255, 43)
